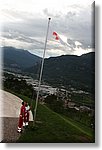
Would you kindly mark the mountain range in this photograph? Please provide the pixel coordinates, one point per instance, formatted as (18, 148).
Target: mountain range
(66, 70)
(69, 71)
(19, 58)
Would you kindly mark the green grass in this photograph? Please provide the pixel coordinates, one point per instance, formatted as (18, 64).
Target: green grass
(54, 128)
(75, 124)
(80, 99)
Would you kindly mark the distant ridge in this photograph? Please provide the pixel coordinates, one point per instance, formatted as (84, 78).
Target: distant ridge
(66, 70)
(19, 58)
(69, 70)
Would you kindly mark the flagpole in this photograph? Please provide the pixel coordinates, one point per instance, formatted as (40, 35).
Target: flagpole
(42, 64)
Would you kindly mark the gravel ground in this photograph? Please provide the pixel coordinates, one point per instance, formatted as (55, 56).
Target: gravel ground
(10, 134)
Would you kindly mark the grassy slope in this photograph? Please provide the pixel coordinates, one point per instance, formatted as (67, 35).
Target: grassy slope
(55, 128)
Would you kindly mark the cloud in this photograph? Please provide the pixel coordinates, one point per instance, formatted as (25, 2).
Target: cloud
(70, 15)
(51, 13)
(71, 42)
(27, 29)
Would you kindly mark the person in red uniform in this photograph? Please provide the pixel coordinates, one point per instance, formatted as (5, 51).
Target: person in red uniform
(21, 117)
(27, 109)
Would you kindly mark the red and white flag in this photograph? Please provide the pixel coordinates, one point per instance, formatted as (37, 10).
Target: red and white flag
(62, 39)
(56, 36)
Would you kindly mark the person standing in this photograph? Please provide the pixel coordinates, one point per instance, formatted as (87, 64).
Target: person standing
(21, 117)
(27, 109)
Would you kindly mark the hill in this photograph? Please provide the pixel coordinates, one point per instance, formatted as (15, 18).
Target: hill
(77, 71)
(69, 71)
(18, 58)
(52, 127)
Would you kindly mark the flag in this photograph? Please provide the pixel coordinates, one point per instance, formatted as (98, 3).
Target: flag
(62, 39)
(56, 35)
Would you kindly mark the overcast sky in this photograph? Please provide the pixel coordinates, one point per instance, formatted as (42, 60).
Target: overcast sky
(24, 25)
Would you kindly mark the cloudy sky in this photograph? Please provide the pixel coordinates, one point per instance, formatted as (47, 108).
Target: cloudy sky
(24, 25)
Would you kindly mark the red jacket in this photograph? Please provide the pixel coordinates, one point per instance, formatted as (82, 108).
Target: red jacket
(22, 111)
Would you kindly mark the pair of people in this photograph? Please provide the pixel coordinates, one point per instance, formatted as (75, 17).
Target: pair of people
(24, 116)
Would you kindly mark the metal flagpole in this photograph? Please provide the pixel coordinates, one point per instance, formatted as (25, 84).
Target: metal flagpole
(42, 64)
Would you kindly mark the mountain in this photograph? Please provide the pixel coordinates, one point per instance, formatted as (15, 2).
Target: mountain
(75, 71)
(69, 71)
(66, 70)
(19, 58)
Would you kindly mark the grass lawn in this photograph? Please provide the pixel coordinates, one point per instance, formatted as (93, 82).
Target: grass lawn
(54, 128)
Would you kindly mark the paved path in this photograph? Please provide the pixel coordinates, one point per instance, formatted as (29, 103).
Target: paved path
(9, 114)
